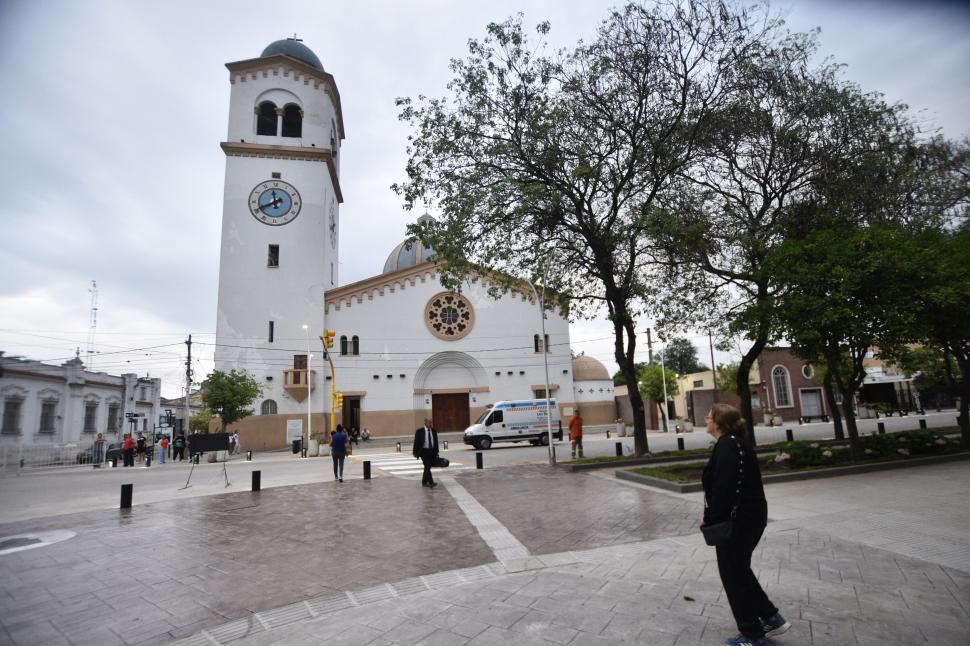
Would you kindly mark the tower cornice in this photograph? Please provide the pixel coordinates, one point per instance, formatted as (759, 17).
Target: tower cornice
(281, 64)
(271, 151)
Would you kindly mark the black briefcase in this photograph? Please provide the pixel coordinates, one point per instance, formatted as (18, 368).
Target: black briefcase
(441, 462)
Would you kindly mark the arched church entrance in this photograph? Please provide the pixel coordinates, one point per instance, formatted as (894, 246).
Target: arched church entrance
(447, 380)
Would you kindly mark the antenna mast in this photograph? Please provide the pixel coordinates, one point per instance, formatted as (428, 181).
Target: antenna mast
(92, 326)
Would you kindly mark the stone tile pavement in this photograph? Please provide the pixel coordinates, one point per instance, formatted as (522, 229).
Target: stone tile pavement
(524, 555)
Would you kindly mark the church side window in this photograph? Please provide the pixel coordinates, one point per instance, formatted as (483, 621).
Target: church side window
(266, 119)
(539, 344)
(268, 407)
(273, 258)
(343, 345)
(355, 345)
(333, 138)
(782, 384)
(292, 121)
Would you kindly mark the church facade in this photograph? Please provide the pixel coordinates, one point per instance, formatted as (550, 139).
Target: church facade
(406, 348)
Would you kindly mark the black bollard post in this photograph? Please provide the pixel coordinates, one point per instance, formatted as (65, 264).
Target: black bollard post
(114, 462)
(398, 447)
(882, 427)
(680, 444)
(148, 460)
(922, 424)
(126, 491)
(303, 453)
(249, 456)
(479, 460)
(366, 469)
(789, 435)
(257, 475)
(619, 449)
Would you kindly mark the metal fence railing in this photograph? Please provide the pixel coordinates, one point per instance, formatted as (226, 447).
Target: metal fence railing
(14, 458)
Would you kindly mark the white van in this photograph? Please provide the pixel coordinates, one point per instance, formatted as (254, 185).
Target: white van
(514, 421)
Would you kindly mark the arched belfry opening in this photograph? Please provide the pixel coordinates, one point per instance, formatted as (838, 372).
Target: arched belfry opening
(266, 118)
(292, 121)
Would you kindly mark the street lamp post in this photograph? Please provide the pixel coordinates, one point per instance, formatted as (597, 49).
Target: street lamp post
(663, 375)
(545, 361)
(309, 390)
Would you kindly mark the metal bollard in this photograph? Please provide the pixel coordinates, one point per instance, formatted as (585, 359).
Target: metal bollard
(366, 469)
(607, 433)
(148, 460)
(680, 444)
(257, 475)
(922, 424)
(445, 443)
(249, 456)
(619, 449)
(302, 453)
(882, 427)
(479, 460)
(126, 491)
(789, 435)
(114, 462)
(398, 447)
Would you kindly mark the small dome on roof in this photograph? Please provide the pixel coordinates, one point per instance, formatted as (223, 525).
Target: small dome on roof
(409, 254)
(294, 48)
(589, 369)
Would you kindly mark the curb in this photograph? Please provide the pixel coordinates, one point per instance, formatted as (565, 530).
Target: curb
(691, 487)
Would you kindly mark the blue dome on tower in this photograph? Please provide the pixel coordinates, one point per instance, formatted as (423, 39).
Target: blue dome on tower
(294, 48)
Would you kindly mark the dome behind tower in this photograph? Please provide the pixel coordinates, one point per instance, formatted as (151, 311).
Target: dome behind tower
(293, 48)
(409, 254)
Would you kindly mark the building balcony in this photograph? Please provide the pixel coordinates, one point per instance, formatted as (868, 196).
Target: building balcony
(295, 383)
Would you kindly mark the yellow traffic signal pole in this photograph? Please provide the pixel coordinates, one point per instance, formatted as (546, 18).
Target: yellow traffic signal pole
(327, 340)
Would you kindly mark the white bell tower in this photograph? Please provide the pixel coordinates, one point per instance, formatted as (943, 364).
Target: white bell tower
(280, 222)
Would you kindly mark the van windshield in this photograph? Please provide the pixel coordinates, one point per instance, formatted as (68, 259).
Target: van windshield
(482, 417)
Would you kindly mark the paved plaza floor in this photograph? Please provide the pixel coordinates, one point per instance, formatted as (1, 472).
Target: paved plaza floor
(516, 555)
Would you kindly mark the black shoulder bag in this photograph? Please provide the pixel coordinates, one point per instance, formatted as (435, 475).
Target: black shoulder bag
(720, 533)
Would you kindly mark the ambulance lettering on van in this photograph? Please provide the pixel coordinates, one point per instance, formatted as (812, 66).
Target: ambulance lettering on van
(515, 421)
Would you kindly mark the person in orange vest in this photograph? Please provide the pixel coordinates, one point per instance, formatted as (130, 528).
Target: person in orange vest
(576, 433)
(163, 449)
(128, 450)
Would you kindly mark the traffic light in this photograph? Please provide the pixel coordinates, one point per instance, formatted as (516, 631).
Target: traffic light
(327, 339)
(338, 401)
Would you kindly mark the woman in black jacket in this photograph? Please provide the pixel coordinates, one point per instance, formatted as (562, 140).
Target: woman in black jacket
(732, 487)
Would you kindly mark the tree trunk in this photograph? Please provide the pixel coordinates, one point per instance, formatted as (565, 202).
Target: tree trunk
(622, 325)
(834, 407)
(744, 388)
(963, 389)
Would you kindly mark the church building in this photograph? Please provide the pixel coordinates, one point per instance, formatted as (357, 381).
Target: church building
(406, 348)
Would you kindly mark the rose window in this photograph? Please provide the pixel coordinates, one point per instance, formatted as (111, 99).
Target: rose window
(449, 316)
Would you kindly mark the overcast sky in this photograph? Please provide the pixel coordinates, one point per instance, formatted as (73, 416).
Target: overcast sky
(113, 113)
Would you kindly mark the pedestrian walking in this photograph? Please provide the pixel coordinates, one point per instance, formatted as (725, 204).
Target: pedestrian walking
(232, 444)
(141, 447)
(163, 449)
(426, 449)
(128, 450)
(235, 441)
(576, 433)
(178, 448)
(338, 452)
(98, 451)
(735, 516)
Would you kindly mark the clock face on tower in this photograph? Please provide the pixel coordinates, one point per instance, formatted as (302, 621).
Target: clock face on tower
(333, 225)
(275, 202)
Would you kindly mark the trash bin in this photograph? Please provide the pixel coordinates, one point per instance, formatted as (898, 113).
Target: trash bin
(297, 446)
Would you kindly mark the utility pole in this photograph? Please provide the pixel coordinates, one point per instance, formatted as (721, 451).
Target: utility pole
(188, 386)
(649, 347)
(710, 340)
(92, 325)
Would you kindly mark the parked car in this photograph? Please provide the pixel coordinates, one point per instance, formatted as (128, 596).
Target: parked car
(112, 451)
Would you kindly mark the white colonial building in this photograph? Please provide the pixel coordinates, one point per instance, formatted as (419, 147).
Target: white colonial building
(406, 348)
(46, 404)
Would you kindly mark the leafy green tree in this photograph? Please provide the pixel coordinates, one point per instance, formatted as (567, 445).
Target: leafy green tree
(844, 294)
(651, 384)
(680, 355)
(791, 131)
(199, 423)
(230, 395)
(727, 377)
(544, 166)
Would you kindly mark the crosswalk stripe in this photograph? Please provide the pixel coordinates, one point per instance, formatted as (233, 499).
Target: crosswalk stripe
(402, 465)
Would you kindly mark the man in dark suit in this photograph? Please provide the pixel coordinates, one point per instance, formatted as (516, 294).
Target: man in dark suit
(426, 448)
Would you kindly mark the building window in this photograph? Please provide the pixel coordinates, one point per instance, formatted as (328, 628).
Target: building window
(355, 345)
(449, 316)
(808, 371)
(277, 175)
(143, 394)
(698, 383)
(273, 257)
(114, 420)
(782, 384)
(90, 417)
(11, 415)
(270, 331)
(343, 345)
(266, 119)
(292, 121)
(333, 138)
(538, 343)
(144, 425)
(268, 407)
(48, 409)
